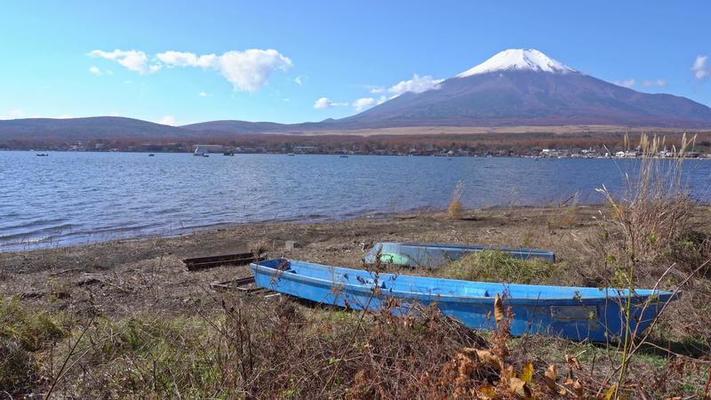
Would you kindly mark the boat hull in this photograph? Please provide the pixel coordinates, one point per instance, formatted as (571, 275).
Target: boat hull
(435, 255)
(574, 313)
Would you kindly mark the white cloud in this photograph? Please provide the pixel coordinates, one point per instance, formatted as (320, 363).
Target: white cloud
(363, 103)
(654, 83)
(13, 113)
(133, 60)
(700, 68)
(367, 102)
(246, 70)
(299, 80)
(203, 94)
(324, 102)
(249, 70)
(184, 59)
(168, 120)
(417, 84)
(628, 83)
(96, 71)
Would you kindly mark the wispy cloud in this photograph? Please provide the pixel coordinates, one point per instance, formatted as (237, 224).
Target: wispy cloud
(367, 102)
(168, 120)
(700, 68)
(96, 71)
(247, 70)
(299, 80)
(13, 113)
(628, 83)
(417, 84)
(173, 58)
(203, 94)
(133, 60)
(654, 83)
(324, 102)
(363, 103)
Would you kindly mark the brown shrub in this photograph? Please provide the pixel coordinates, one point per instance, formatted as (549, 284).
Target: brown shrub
(455, 208)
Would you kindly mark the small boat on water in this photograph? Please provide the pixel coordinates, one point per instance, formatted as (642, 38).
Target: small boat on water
(42, 154)
(151, 155)
(432, 255)
(577, 313)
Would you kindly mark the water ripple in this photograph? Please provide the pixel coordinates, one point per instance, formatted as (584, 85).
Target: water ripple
(73, 198)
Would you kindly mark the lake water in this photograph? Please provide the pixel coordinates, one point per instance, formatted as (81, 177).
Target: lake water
(73, 198)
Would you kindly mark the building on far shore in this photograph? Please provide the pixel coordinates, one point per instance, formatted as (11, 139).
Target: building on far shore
(201, 149)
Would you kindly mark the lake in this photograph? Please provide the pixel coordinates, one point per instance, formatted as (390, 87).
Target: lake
(74, 198)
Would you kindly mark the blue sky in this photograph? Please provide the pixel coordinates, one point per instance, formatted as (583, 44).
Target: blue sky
(182, 62)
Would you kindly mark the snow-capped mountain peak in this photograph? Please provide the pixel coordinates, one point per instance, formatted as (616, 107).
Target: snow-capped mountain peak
(518, 59)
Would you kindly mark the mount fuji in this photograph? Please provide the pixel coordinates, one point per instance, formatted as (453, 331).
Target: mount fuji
(514, 88)
(526, 87)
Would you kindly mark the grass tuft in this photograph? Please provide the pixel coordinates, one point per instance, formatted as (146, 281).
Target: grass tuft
(497, 266)
(455, 208)
(22, 332)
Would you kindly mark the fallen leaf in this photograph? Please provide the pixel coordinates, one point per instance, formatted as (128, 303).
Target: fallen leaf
(486, 393)
(487, 357)
(499, 312)
(550, 377)
(519, 387)
(527, 372)
(573, 361)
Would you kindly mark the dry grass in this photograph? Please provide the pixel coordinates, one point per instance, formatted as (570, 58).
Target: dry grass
(496, 266)
(249, 348)
(455, 208)
(264, 350)
(655, 212)
(638, 245)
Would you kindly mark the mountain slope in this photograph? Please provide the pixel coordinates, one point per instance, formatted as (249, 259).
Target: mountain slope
(516, 87)
(525, 87)
(235, 126)
(72, 129)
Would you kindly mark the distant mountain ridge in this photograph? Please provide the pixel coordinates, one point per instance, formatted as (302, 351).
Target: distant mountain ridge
(516, 87)
(73, 129)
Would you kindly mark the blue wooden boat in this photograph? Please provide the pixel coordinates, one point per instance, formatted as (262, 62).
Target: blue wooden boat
(577, 313)
(435, 255)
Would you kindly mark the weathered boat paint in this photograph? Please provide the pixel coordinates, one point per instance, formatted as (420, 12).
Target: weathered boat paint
(432, 255)
(577, 313)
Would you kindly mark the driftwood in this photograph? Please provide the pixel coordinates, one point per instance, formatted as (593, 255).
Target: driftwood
(199, 263)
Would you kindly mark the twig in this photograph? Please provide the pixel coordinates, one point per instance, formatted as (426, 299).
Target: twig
(66, 359)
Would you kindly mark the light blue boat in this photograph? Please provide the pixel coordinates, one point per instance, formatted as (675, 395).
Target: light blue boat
(435, 255)
(577, 313)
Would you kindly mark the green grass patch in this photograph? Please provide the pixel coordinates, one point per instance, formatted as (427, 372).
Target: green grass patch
(497, 266)
(22, 332)
(31, 329)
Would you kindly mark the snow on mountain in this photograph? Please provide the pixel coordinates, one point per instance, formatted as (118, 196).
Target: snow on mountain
(518, 59)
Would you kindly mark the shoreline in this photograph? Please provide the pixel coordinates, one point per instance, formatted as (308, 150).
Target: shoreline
(369, 216)
(374, 215)
(119, 269)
